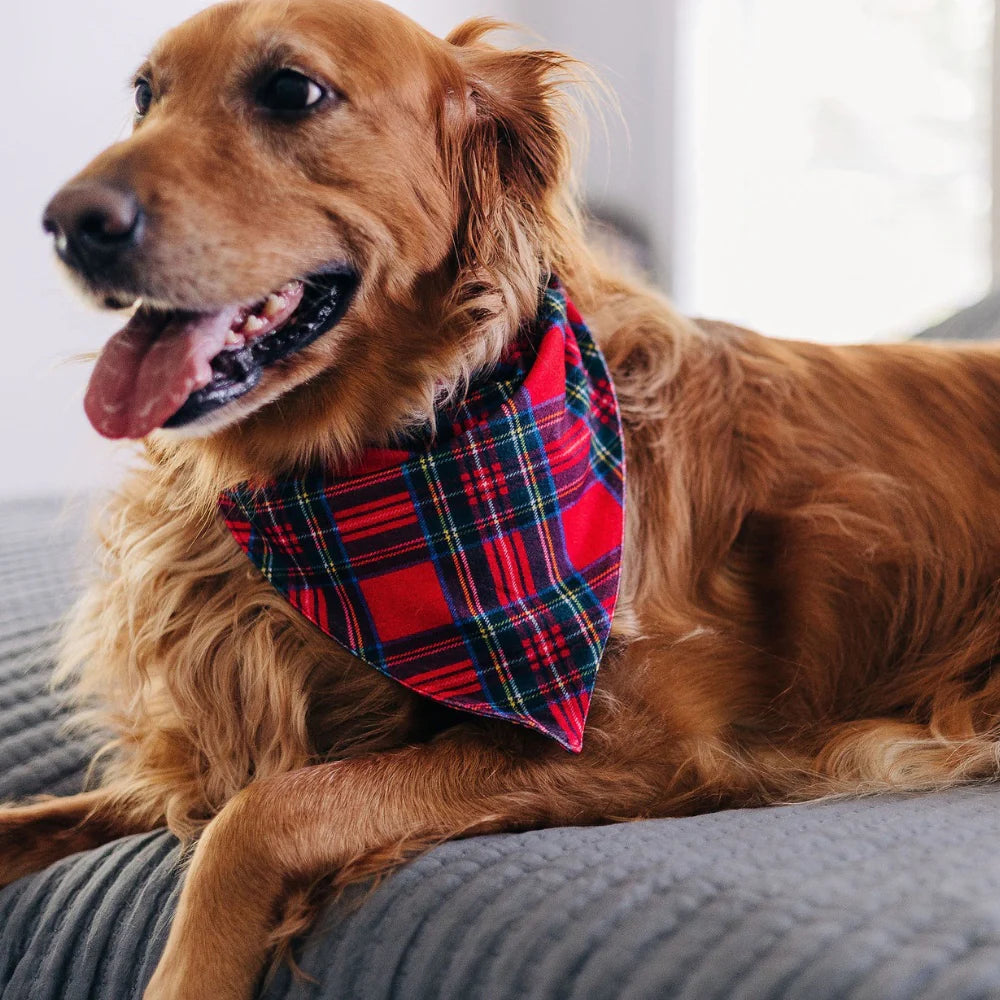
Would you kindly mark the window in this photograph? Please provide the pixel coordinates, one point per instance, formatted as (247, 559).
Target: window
(835, 163)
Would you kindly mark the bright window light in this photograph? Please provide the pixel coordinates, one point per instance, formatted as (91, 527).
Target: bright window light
(838, 181)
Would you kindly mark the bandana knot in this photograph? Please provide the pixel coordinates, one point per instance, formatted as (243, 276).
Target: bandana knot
(477, 563)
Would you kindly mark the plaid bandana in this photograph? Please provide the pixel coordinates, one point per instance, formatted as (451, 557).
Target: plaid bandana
(477, 564)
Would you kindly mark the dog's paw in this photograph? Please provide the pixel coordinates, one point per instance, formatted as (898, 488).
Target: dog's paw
(34, 835)
(170, 982)
(19, 844)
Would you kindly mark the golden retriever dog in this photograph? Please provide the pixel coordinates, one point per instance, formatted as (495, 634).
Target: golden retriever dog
(808, 598)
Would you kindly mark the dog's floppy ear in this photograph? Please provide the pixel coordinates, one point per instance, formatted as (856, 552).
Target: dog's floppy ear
(510, 165)
(515, 106)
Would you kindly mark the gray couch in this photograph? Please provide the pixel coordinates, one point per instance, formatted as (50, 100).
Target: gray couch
(869, 899)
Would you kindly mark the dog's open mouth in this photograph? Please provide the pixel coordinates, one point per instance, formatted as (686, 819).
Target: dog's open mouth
(167, 368)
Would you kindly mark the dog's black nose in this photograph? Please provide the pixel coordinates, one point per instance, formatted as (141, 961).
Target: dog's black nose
(93, 223)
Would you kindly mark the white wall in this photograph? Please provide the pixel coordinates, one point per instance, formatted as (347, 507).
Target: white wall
(631, 45)
(66, 68)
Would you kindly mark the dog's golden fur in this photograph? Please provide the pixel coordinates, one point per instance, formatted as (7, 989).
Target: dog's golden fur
(809, 595)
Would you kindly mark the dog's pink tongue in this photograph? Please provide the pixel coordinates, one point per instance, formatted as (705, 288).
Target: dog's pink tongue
(150, 367)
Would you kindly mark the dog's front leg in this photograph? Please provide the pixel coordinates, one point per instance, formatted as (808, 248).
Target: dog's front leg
(316, 821)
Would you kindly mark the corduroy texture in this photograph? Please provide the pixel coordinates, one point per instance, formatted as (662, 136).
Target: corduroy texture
(479, 564)
(38, 542)
(878, 899)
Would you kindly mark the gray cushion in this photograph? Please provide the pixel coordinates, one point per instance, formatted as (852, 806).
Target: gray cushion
(980, 321)
(879, 898)
(39, 556)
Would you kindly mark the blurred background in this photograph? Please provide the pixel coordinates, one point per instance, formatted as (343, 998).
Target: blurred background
(820, 169)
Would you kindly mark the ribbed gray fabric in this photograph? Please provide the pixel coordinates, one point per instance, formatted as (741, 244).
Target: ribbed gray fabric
(40, 543)
(880, 899)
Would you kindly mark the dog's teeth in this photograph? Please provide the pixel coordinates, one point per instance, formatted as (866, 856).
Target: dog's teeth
(290, 287)
(253, 324)
(233, 338)
(274, 304)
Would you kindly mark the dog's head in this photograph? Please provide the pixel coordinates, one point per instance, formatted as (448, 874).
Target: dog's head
(328, 217)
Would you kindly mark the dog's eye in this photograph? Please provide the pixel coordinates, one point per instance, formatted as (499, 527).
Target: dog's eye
(143, 97)
(289, 91)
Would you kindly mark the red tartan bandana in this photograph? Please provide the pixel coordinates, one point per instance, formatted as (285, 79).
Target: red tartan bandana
(478, 563)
